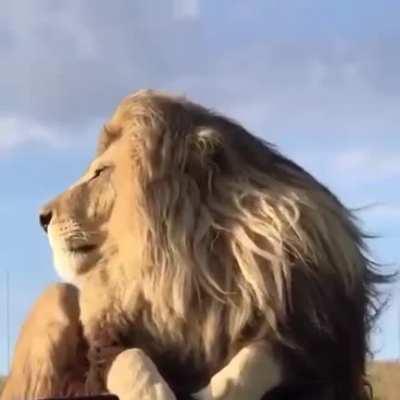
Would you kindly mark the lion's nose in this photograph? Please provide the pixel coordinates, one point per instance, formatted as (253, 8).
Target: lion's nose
(45, 216)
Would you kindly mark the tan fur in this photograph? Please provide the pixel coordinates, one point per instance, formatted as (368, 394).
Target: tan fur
(47, 359)
(251, 373)
(206, 239)
(134, 376)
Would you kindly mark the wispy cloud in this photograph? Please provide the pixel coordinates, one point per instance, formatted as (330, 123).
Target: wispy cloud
(65, 64)
(15, 132)
(369, 163)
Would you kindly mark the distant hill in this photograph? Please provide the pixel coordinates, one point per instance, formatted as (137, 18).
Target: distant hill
(385, 378)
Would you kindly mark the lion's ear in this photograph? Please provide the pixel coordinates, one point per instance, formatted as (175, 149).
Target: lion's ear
(205, 144)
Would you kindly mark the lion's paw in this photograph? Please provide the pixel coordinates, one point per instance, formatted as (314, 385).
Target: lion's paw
(217, 389)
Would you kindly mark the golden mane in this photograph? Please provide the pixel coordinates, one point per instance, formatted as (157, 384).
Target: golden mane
(242, 243)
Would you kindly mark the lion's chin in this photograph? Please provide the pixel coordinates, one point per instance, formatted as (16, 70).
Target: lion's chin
(72, 258)
(71, 265)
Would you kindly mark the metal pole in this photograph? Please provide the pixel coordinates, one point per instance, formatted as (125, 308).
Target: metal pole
(8, 319)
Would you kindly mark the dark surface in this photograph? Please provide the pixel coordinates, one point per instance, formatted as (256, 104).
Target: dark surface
(101, 397)
(285, 392)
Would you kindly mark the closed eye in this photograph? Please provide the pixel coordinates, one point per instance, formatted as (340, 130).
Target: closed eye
(98, 172)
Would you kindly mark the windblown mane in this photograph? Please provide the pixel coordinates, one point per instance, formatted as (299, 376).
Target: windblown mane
(244, 244)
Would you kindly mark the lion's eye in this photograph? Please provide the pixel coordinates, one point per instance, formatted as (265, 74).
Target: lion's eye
(98, 172)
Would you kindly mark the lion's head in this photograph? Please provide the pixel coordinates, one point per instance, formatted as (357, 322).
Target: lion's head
(94, 220)
(226, 240)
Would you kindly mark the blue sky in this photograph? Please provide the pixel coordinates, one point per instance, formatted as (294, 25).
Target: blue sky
(319, 79)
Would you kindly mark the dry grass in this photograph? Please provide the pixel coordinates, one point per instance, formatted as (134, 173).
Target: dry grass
(385, 379)
(1, 383)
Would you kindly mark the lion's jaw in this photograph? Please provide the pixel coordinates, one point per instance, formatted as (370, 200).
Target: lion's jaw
(73, 251)
(91, 225)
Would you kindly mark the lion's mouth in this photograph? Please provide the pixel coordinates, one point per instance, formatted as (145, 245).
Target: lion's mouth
(83, 249)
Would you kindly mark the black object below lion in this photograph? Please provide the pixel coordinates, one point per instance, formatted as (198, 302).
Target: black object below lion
(99, 397)
(284, 392)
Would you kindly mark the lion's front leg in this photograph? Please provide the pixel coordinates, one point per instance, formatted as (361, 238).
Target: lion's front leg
(103, 349)
(252, 372)
(134, 376)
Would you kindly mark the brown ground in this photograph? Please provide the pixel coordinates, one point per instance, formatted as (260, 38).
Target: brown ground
(385, 378)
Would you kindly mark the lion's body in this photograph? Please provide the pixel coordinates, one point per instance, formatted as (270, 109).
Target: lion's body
(48, 355)
(191, 239)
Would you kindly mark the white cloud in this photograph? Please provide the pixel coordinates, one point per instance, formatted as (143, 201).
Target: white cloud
(65, 66)
(15, 132)
(64, 63)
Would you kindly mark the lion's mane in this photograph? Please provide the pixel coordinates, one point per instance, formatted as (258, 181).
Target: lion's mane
(243, 244)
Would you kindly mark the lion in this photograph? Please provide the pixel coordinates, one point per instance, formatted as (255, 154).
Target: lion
(201, 247)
